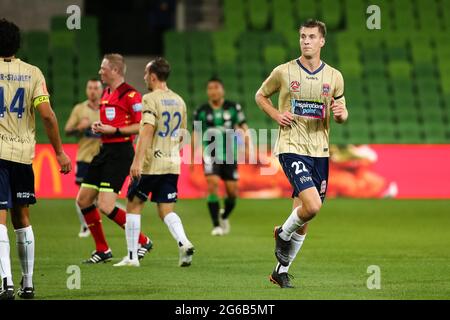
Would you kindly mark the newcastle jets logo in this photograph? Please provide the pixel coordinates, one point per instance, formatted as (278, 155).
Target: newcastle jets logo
(325, 89)
(158, 154)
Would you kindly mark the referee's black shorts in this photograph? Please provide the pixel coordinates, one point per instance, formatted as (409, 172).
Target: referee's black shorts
(110, 167)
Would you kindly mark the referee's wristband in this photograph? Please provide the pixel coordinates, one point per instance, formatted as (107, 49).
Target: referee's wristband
(117, 133)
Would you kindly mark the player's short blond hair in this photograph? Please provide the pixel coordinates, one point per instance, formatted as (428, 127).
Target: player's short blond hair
(117, 61)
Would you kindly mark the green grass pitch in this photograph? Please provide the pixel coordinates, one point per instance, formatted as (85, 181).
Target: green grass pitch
(408, 240)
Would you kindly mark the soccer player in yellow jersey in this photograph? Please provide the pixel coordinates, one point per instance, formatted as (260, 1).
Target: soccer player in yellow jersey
(310, 93)
(156, 164)
(79, 124)
(22, 93)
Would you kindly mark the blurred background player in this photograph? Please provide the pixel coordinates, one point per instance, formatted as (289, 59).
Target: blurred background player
(79, 124)
(220, 114)
(308, 89)
(156, 165)
(22, 89)
(120, 113)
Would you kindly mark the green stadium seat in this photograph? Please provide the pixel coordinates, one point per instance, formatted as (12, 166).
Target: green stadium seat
(383, 132)
(274, 55)
(358, 132)
(355, 12)
(58, 23)
(283, 21)
(337, 133)
(399, 70)
(422, 51)
(445, 9)
(435, 132)
(175, 45)
(225, 55)
(306, 10)
(351, 68)
(258, 13)
(252, 67)
(227, 70)
(408, 114)
(409, 132)
(404, 15)
(427, 11)
(230, 84)
(234, 16)
(331, 12)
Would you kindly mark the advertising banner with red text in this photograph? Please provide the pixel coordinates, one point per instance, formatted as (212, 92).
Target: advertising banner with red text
(363, 171)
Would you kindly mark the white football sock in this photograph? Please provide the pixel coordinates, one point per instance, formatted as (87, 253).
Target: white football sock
(173, 222)
(25, 247)
(292, 223)
(5, 262)
(80, 216)
(132, 230)
(296, 244)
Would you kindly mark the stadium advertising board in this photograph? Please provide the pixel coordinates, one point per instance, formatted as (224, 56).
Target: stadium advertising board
(365, 171)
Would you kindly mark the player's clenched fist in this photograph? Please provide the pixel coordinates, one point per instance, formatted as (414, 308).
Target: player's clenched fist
(135, 170)
(284, 119)
(64, 162)
(340, 113)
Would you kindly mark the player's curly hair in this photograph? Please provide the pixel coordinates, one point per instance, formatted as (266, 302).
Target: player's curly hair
(9, 38)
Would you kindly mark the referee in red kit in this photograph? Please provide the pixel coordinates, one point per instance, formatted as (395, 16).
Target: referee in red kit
(120, 114)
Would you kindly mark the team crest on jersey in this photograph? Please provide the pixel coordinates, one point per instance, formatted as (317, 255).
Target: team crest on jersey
(295, 86)
(110, 113)
(325, 89)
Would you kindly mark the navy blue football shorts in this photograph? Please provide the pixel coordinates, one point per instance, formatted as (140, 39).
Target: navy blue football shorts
(304, 172)
(16, 184)
(163, 188)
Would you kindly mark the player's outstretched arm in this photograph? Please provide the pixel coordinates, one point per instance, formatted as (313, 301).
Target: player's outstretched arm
(51, 127)
(283, 119)
(144, 141)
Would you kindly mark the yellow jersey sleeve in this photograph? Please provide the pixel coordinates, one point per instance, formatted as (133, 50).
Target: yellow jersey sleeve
(150, 112)
(272, 84)
(184, 122)
(74, 117)
(40, 93)
(339, 87)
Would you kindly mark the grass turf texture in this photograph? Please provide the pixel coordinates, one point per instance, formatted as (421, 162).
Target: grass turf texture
(408, 240)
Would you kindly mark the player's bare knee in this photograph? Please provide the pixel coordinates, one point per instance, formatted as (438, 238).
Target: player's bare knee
(213, 188)
(105, 207)
(83, 201)
(311, 209)
(19, 221)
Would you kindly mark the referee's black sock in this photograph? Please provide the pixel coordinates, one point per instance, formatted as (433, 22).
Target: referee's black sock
(230, 203)
(214, 207)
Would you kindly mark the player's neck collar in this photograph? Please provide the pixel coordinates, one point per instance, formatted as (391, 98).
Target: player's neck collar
(322, 65)
(9, 59)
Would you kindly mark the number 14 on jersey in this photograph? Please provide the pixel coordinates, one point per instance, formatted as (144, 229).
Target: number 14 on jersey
(17, 103)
